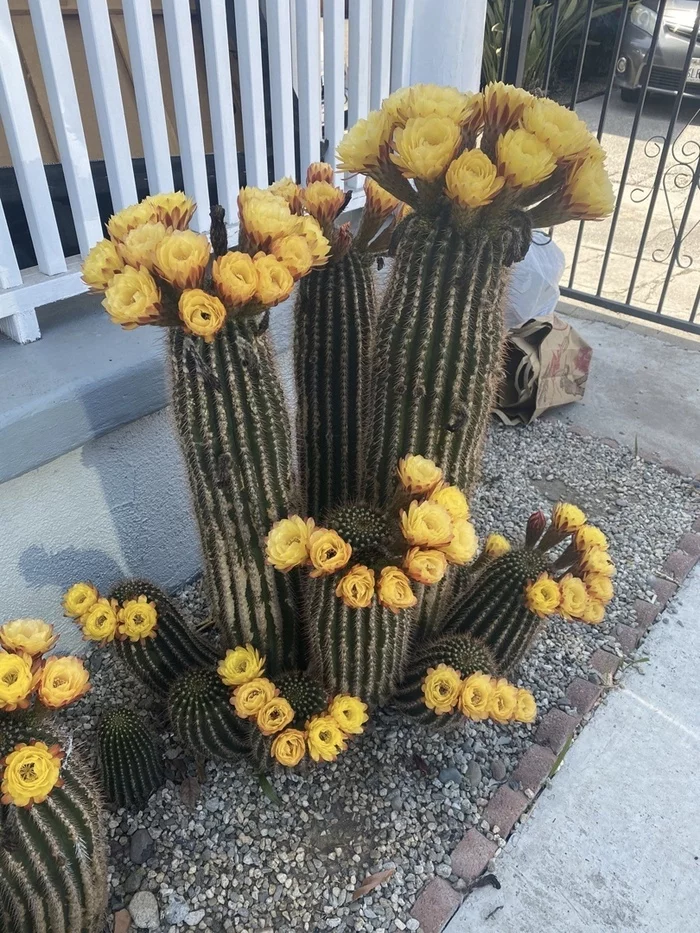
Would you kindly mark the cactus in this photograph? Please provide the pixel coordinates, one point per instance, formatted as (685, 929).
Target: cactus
(203, 718)
(305, 695)
(492, 608)
(235, 434)
(333, 334)
(53, 860)
(131, 764)
(177, 647)
(260, 751)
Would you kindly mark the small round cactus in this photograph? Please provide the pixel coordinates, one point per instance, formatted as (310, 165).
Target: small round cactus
(131, 763)
(203, 718)
(305, 695)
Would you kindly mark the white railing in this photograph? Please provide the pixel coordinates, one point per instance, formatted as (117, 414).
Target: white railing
(326, 64)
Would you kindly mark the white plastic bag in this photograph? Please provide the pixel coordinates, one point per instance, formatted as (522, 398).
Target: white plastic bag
(533, 289)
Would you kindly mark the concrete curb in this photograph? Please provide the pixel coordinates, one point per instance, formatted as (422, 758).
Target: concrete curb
(439, 900)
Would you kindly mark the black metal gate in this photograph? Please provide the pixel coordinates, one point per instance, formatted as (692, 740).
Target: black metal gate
(646, 112)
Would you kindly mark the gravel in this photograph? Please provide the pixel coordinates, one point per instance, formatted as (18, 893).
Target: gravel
(219, 855)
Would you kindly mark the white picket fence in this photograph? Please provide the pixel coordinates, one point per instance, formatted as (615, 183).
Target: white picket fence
(355, 65)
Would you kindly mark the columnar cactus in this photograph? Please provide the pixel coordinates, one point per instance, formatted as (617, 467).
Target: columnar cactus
(203, 718)
(130, 761)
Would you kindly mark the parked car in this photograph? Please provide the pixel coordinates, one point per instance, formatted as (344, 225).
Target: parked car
(668, 61)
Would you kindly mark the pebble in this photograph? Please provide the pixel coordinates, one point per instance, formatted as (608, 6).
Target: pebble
(450, 776)
(144, 911)
(177, 910)
(141, 847)
(498, 770)
(473, 773)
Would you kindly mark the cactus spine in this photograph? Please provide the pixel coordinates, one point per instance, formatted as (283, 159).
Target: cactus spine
(235, 434)
(177, 647)
(203, 718)
(131, 764)
(304, 694)
(333, 334)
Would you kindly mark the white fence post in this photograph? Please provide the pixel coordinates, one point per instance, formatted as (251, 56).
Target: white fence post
(448, 51)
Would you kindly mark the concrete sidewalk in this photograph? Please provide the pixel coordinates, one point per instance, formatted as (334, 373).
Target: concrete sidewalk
(614, 843)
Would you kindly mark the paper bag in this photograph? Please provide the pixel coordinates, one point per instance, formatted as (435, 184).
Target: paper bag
(546, 365)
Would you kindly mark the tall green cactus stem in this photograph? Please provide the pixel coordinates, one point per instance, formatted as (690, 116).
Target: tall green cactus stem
(463, 653)
(356, 651)
(235, 434)
(130, 761)
(438, 349)
(53, 859)
(260, 746)
(333, 332)
(493, 610)
(176, 648)
(203, 718)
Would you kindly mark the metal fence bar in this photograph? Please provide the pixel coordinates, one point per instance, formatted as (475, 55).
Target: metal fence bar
(308, 32)
(581, 54)
(621, 307)
(679, 237)
(279, 49)
(382, 13)
(252, 91)
(401, 44)
(553, 26)
(333, 76)
(518, 40)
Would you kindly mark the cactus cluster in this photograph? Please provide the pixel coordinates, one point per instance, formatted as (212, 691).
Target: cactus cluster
(129, 758)
(203, 719)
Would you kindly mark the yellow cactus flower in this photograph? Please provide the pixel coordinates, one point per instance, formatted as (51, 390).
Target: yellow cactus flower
(599, 587)
(319, 171)
(136, 215)
(289, 747)
(29, 773)
(132, 298)
(287, 545)
(318, 244)
(349, 712)
(394, 590)
(78, 599)
(365, 144)
(101, 265)
(593, 612)
(16, 681)
(235, 278)
(28, 636)
(274, 716)
(503, 702)
(598, 561)
(503, 105)
(173, 209)
(542, 596)
(427, 524)
(588, 193)
(442, 686)
(325, 738)
(472, 179)
(249, 698)
(292, 193)
(463, 547)
(100, 621)
(589, 536)
(294, 253)
(181, 258)
(522, 159)
(425, 146)
(327, 552)
(525, 706)
(475, 696)
(425, 566)
(202, 314)
(559, 128)
(428, 100)
(356, 587)
(573, 597)
(138, 619)
(452, 500)
(418, 475)
(567, 518)
(63, 681)
(138, 248)
(323, 201)
(241, 665)
(264, 215)
(275, 282)
(378, 202)
(496, 546)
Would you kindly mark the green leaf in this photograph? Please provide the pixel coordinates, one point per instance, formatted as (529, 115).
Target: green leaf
(269, 791)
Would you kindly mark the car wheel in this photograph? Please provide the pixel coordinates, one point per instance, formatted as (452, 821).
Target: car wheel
(630, 95)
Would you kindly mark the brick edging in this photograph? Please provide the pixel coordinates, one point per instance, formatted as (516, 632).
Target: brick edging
(438, 901)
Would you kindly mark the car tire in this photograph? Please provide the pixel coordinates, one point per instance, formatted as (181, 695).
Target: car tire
(630, 95)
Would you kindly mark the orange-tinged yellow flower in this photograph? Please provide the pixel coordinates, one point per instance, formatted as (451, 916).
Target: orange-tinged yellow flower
(503, 105)
(599, 586)
(503, 702)
(394, 590)
(428, 100)
(202, 314)
(138, 248)
(173, 209)
(378, 202)
(542, 596)
(418, 475)
(452, 500)
(132, 298)
(101, 265)
(29, 773)
(275, 282)
(441, 688)
(292, 193)
(496, 546)
(287, 545)
(472, 179)
(16, 681)
(356, 587)
(564, 133)
(181, 258)
(235, 278)
(522, 159)
(78, 599)
(425, 146)
(241, 665)
(596, 560)
(294, 253)
(567, 518)
(318, 244)
(589, 536)
(349, 712)
(323, 201)
(264, 216)
(136, 215)
(593, 612)
(464, 544)
(249, 698)
(274, 716)
(62, 681)
(426, 566)
(588, 192)
(319, 171)
(475, 696)
(427, 524)
(325, 738)
(574, 597)
(289, 747)
(365, 143)
(525, 707)
(138, 619)
(100, 621)
(27, 636)
(327, 552)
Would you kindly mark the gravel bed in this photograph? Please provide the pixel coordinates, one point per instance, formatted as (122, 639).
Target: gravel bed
(219, 855)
